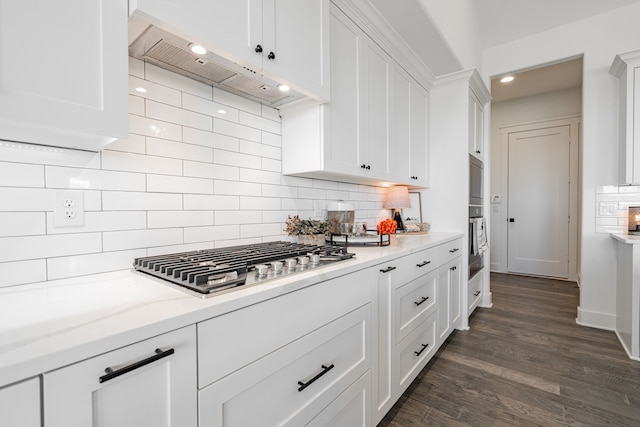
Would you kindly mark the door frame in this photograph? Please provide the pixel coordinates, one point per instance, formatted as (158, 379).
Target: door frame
(574, 123)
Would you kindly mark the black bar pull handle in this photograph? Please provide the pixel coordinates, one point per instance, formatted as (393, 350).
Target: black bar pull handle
(325, 369)
(476, 293)
(111, 374)
(454, 250)
(388, 269)
(424, 347)
(421, 301)
(422, 264)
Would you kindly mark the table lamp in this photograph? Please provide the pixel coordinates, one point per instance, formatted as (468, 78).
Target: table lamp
(397, 198)
(634, 220)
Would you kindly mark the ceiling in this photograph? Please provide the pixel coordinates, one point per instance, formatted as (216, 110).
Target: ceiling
(499, 21)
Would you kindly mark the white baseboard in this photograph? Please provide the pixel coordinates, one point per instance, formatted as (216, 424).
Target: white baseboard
(593, 319)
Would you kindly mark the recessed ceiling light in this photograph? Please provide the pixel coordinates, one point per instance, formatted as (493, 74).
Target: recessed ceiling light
(222, 112)
(141, 89)
(196, 48)
(506, 79)
(284, 88)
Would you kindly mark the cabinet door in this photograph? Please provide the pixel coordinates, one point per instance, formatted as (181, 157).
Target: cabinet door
(401, 122)
(297, 33)
(444, 302)
(419, 147)
(20, 404)
(160, 392)
(476, 127)
(636, 126)
(351, 408)
(375, 102)
(71, 91)
(455, 286)
(343, 115)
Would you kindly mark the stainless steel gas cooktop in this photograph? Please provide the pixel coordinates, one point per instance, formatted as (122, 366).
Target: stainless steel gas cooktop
(214, 270)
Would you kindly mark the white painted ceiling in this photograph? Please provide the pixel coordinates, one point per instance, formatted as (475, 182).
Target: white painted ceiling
(499, 21)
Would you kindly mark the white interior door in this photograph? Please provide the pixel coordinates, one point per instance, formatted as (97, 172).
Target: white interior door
(538, 231)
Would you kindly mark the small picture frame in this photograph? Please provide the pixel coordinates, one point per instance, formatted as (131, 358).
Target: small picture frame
(414, 213)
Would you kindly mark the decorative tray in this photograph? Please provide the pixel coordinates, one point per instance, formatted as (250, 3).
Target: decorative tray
(367, 239)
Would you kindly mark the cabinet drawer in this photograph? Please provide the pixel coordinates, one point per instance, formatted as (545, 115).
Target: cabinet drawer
(415, 350)
(414, 302)
(450, 250)
(424, 261)
(295, 383)
(229, 342)
(351, 408)
(475, 291)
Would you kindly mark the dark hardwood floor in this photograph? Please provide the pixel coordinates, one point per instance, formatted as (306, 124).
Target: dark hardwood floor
(525, 362)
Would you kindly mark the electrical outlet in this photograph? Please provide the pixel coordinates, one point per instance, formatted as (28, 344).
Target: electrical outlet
(68, 209)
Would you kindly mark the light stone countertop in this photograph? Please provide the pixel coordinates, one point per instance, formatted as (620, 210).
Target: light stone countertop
(48, 325)
(626, 238)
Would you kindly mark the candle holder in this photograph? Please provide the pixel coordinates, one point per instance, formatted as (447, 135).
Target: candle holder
(634, 220)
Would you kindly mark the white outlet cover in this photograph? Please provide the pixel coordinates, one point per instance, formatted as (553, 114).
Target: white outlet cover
(68, 208)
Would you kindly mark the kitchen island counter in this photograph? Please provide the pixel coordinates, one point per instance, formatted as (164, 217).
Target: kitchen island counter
(48, 325)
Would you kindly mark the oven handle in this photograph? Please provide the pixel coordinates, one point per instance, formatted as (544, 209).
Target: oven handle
(111, 374)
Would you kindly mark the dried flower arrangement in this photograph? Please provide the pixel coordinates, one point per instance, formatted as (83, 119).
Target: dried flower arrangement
(299, 227)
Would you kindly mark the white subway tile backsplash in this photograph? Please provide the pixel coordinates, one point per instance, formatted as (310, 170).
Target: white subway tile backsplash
(232, 100)
(223, 157)
(271, 139)
(169, 219)
(21, 175)
(21, 272)
(210, 108)
(169, 113)
(116, 160)
(179, 184)
(81, 265)
(259, 230)
(133, 144)
(136, 105)
(211, 234)
(22, 224)
(237, 217)
(34, 247)
(237, 188)
(16, 199)
(138, 239)
(236, 130)
(154, 91)
(213, 171)
(212, 203)
(76, 178)
(134, 201)
(612, 207)
(258, 122)
(258, 149)
(188, 177)
(259, 203)
(102, 221)
(178, 150)
(156, 128)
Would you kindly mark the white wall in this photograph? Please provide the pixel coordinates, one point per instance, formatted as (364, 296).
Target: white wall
(599, 38)
(456, 21)
(187, 178)
(533, 108)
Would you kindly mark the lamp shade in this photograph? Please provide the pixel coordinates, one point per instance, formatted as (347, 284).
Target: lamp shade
(397, 197)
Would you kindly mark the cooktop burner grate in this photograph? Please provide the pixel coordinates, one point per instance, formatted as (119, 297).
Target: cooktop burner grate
(213, 270)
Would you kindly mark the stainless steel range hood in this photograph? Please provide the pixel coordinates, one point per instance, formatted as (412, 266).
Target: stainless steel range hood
(168, 51)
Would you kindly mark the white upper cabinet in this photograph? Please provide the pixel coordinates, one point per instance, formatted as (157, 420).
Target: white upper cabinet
(373, 131)
(476, 126)
(626, 67)
(287, 40)
(409, 130)
(63, 79)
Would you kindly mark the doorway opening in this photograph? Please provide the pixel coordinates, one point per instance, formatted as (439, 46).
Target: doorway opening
(534, 171)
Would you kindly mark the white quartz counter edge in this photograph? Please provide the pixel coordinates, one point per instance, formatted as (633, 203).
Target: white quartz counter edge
(626, 238)
(48, 325)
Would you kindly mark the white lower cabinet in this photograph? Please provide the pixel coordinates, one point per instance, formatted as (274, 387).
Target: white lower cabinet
(350, 409)
(293, 384)
(418, 306)
(20, 404)
(474, 290)
(147, 384)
